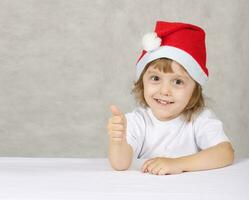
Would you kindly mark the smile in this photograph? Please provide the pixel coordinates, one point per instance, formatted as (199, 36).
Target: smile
(163, 102)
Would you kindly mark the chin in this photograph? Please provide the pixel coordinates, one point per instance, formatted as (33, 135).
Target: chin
(162, 115)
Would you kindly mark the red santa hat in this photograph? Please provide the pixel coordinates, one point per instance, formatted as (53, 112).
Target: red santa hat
(183, 43)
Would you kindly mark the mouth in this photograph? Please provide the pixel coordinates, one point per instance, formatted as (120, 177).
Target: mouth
(163, 102)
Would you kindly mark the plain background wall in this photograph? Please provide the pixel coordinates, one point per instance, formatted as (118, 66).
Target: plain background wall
(62, 63)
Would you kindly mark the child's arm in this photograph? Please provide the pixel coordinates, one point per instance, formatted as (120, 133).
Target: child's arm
(217, 156)
(120, 155)
(120, 152)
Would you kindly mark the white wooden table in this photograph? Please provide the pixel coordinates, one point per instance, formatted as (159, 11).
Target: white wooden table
(85, 179)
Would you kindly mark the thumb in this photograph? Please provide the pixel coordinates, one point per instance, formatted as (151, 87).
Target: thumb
(115, 111)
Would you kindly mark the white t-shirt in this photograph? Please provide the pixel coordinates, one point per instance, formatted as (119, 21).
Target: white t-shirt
(150, 137)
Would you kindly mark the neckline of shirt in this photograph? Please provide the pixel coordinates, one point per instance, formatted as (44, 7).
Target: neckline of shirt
(168, 122)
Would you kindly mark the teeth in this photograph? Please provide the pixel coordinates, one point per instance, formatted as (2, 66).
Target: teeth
(163, 102)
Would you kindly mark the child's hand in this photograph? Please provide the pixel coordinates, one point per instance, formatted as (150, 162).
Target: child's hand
(117, 126)
(162, 166)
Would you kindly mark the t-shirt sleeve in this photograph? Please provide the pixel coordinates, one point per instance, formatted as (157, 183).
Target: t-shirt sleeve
(135, 131)
(209, 130)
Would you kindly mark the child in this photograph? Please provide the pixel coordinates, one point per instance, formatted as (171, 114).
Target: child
(171, 128)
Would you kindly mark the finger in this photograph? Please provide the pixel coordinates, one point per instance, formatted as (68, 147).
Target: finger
(163, 171)
(156, 169)
(115, 111)
(116, 134)
(144, 166)
(152, 167)
(117, 127)
(117, 120)
(146, 163)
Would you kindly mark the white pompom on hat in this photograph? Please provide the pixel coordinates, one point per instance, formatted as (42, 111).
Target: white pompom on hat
(151, 41)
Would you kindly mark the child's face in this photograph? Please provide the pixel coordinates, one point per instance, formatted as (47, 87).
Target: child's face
(167, 94)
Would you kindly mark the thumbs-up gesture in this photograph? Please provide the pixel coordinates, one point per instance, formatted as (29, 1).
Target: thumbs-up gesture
(117, 125)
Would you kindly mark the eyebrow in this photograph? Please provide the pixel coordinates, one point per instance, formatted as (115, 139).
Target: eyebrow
(177, 75)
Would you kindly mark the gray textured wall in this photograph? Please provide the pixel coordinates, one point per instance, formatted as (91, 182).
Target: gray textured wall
(62, 63)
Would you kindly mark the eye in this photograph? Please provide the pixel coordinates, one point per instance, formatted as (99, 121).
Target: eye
(178, 82)
(155, 78)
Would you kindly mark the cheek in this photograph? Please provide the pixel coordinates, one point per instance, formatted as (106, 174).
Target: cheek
(150, 89)
(188, 96)
(184, 96)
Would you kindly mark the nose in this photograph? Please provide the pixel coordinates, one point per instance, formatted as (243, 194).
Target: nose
(165, 89)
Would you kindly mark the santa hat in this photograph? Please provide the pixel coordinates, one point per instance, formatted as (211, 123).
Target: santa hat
(183, 43)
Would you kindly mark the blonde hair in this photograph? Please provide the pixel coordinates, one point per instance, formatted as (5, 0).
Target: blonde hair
(196, 102)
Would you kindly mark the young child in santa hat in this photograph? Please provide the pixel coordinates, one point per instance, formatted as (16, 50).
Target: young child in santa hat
(171, 128)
